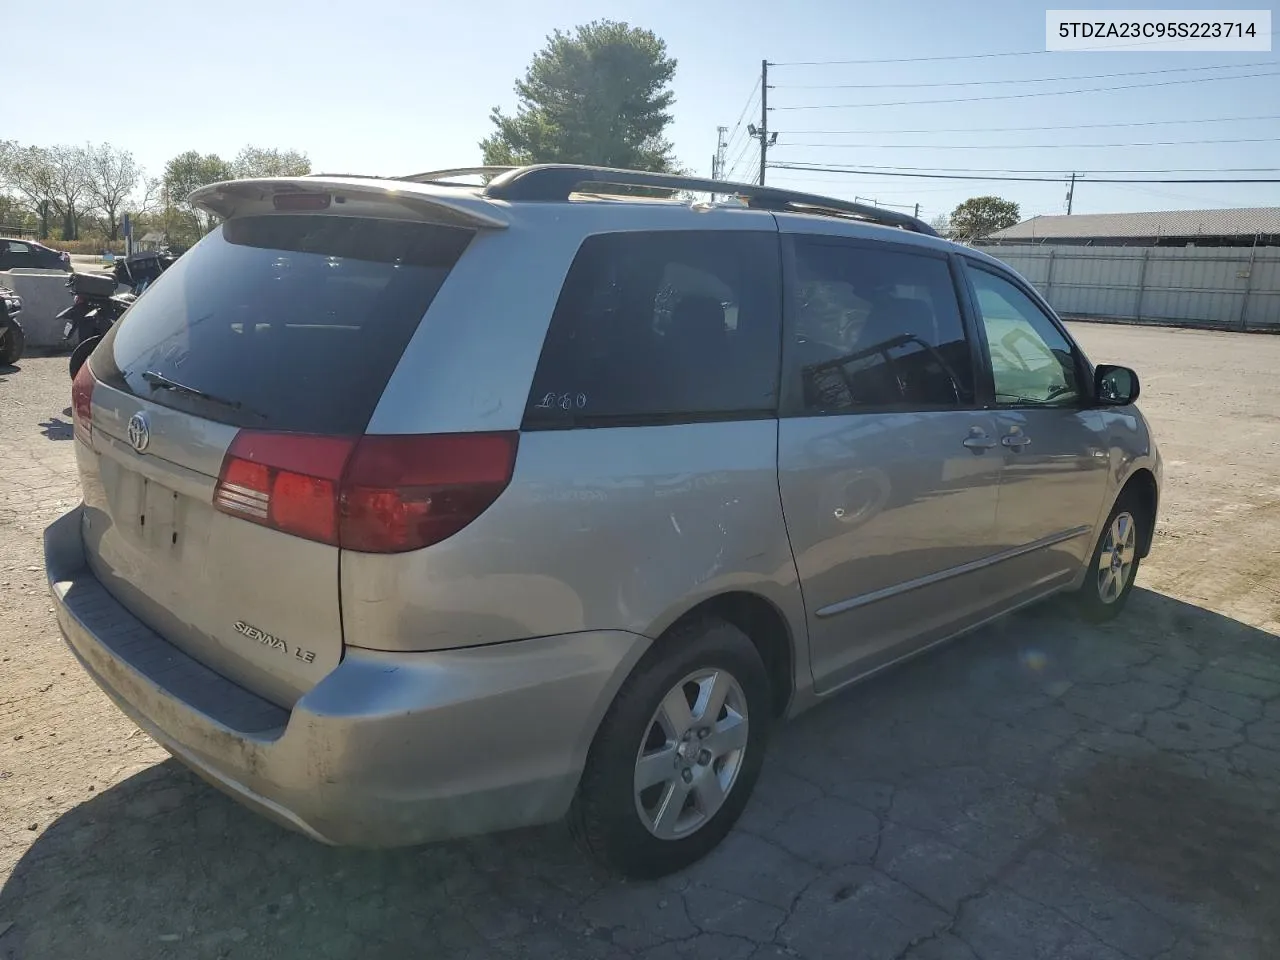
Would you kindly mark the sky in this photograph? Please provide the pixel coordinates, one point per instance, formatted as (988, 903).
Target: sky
(393, 88)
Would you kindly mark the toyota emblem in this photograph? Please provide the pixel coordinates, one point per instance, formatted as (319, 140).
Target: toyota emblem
(139, 431)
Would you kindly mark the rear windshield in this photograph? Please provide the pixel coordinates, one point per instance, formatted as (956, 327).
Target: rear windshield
(283, 322)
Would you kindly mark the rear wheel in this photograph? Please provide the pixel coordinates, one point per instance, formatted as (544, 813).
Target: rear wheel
(81, 353)
(13, 344)
(678, 753)
(1114, 565)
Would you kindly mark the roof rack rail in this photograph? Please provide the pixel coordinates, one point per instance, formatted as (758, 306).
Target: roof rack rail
(436, 176)
(556, 181)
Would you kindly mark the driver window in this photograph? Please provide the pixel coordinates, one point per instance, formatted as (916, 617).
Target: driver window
(874, 329)
(1031, 361)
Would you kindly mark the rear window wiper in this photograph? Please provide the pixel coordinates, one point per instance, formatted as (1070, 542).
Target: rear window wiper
(159, 381)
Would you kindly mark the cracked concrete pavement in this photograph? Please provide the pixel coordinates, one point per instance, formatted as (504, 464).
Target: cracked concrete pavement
(1039, 789)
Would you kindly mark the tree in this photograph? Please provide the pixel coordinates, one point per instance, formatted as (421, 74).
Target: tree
(29, 171)
(269, 162)
(942, 224)
(113, 175)
(599, 95)
(69, 170)
(184, 174)
(982, 216)
(15, 215)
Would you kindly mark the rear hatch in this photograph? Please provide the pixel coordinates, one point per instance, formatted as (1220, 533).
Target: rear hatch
(216, 419)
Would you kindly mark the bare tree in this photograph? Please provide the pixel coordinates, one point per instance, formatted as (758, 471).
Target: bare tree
(150, 199)
(70, 177)
(113, 175)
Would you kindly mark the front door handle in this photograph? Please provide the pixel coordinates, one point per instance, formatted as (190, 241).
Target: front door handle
(1015, 440)
(977, 441)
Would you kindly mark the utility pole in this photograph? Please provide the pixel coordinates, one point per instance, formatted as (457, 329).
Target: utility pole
(917, 213)
(764, 116)
(1071, 192)
(718, 171)
(761, 132)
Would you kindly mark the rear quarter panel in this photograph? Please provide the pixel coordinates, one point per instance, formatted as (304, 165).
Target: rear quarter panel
(619, 529)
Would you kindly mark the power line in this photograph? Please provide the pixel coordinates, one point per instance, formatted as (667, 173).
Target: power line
(962, 56)
(801, 164)
(882, 188)
(1069, 126)
(747, 144)
(985, 83)
(751, 98)
(1057, 179)
(742, 135)
(1038, 93)
(1020, 146)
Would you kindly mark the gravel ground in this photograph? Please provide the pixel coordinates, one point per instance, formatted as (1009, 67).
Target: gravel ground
(1039, 789)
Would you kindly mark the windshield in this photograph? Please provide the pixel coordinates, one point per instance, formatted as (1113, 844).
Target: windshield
(332, 301)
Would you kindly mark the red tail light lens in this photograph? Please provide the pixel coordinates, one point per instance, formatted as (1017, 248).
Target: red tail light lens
(376, 494)
(287, 481)
(82, 404)
(406, 492)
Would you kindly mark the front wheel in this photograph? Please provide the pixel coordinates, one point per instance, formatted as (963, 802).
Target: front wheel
(1113, 568)
(678, 753)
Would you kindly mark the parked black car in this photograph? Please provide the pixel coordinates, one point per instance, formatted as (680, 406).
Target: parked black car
(31, 255)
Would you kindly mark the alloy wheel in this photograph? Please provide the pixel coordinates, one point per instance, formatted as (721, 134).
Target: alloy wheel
(690, 754)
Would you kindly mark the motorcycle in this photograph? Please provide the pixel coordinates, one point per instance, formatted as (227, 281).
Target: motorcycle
(97, 305)
(12, 339)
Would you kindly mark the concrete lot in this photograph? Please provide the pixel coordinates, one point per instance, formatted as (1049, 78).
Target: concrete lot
(1041, 789)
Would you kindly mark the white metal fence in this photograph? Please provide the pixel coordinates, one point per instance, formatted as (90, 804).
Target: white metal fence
(1236, 288)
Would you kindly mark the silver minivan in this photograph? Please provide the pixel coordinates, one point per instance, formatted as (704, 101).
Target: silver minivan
(418, 508)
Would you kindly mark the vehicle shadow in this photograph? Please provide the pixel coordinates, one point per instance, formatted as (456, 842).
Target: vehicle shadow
(1136, 754)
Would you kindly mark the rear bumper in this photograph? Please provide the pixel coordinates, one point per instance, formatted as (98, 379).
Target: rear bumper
(388, 749)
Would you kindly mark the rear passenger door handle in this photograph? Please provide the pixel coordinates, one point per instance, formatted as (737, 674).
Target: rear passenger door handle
(1015, 440)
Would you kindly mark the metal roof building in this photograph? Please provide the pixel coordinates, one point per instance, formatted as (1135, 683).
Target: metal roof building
(1239, 227)
(1205, 268)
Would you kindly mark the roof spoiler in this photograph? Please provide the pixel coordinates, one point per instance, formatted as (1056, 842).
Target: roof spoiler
(231, 197)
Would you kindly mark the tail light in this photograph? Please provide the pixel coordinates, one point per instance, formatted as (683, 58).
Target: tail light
(374, 494)
(82, 404)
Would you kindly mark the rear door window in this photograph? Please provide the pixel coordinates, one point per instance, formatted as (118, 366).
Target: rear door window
(19, 255)
(662, 327)
(290, 323)
(874, 328)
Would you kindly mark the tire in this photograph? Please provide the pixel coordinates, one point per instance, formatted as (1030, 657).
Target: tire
(81, 353)
(15, 342)
(620, 826)
(1098, 599)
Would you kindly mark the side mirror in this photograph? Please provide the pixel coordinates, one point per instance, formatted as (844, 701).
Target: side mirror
(1115, 386)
